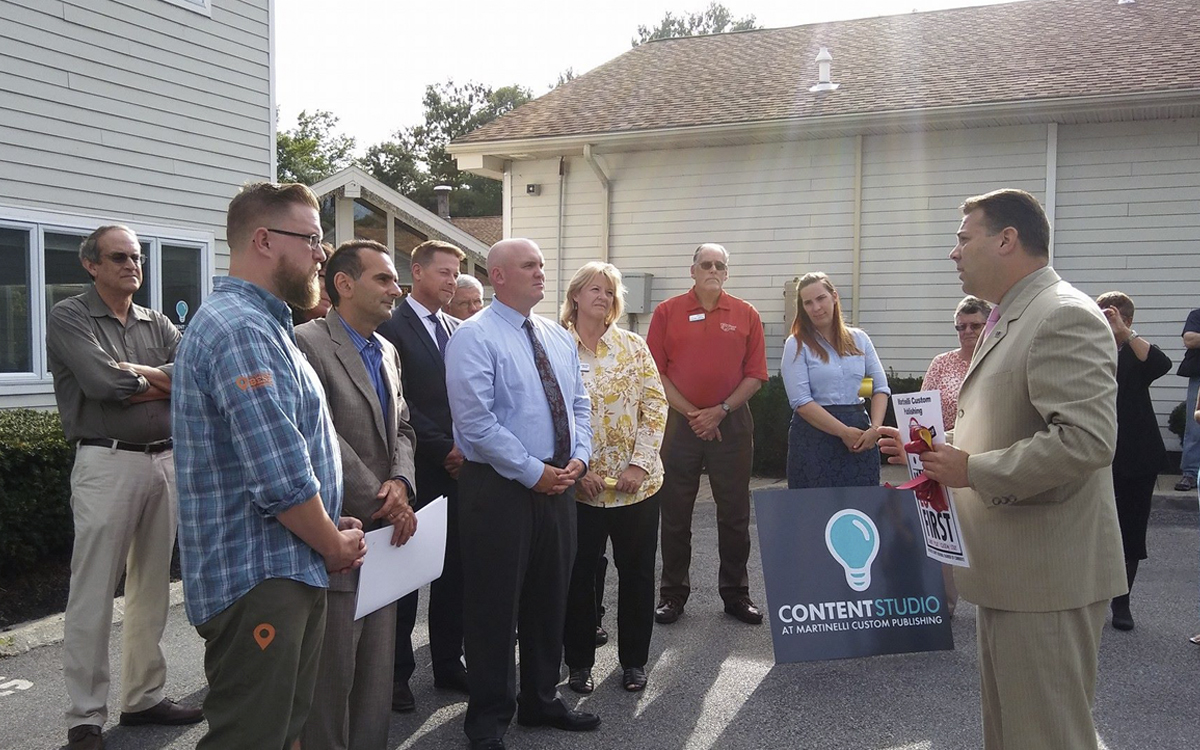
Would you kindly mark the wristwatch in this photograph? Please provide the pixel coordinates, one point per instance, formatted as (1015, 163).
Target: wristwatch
(725, 406)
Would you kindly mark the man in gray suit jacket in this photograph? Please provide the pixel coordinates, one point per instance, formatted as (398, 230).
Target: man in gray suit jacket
(361, 376)
(1034, 438)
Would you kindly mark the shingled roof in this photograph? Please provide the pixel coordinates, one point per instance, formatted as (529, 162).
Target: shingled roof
(988, 56)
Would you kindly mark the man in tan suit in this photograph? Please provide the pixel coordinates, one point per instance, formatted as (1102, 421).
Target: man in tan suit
(361, 376)
(1035, 435)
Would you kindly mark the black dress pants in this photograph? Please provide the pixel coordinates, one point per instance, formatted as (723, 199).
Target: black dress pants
(634, 533)
(518, 546)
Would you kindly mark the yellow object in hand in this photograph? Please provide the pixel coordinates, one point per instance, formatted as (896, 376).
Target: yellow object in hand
(867, 388)
(610, 483)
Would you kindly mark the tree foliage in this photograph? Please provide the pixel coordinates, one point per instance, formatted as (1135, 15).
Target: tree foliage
(415, 159)
(715, 19)
(311, 151)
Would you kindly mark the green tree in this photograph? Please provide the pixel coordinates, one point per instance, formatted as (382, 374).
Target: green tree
(415, 159)
(716, 19)
(311, 151)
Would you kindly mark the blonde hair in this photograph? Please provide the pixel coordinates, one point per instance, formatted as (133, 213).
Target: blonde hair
(580, 279)
(806, 333)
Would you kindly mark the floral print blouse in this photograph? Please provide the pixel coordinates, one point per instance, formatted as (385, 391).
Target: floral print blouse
(945, 374)
(629, 412)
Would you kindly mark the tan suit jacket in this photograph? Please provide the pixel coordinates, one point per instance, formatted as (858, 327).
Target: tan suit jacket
(1037, 414)
(376, 445)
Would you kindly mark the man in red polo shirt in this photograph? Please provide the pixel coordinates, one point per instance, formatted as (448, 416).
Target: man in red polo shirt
(711, 354)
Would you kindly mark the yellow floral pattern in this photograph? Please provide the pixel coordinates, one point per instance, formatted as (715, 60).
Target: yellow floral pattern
(629, 412)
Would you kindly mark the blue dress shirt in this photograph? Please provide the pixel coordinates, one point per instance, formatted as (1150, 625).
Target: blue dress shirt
(372, 357)
(501, 416)
(253, 438)
(806, 378)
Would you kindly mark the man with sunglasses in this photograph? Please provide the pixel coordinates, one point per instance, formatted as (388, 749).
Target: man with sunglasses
(711, 354)
(112, 367)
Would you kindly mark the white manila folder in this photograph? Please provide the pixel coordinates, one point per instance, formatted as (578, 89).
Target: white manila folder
(389, 573)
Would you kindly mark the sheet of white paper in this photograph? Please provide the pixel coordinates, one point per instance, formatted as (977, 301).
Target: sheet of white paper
(943, 534)
(389, 573)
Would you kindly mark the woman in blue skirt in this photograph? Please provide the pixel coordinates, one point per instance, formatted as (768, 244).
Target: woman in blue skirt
(832, 439)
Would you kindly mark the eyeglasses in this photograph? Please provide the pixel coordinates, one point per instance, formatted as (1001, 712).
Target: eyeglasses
(122, 258)
(960, 327)
(707, 265)
(313, 240)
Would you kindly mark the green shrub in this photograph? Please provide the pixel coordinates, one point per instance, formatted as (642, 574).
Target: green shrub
(772, 418)
(900, 384)
(35, 489)
(1178, 419)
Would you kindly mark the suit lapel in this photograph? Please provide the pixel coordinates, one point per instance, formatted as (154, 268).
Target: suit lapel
(422, 334)
(347, 354)
(1045, 277)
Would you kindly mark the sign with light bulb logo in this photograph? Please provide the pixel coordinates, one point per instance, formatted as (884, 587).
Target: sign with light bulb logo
(847, 574)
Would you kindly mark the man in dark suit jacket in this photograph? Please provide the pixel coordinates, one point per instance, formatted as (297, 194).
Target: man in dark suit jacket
(361, 375)
(420, 330)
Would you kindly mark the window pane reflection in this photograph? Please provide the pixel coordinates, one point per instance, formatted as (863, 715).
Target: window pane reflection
(16, 332)
(180, 283)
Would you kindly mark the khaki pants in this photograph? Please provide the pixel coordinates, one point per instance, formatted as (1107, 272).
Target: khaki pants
(125, 509)
(1037, 675)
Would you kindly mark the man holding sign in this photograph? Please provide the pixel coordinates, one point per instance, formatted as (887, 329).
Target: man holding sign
(1034, 437)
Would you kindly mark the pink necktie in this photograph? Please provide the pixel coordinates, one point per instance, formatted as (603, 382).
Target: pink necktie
(993, 316)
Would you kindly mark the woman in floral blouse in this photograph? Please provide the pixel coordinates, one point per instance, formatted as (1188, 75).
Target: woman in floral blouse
(615, 499)
(945, 374)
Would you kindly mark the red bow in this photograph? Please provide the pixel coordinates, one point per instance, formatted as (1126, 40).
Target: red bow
(926, 489)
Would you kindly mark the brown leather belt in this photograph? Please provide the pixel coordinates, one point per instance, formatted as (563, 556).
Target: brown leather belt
(159, 447)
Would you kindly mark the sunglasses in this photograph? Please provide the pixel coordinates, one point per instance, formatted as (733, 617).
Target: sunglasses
(708, 265)
(122, 258)
(960, 327)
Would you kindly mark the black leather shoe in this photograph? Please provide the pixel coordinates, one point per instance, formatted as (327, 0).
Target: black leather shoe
(581, 681)
(402, 698)
(456, 681)
(1122, 618)
(668, 611)
(489, 743)
(744, 610)
(167, 712)
(571, 721)
(601, 636)
(84, 737)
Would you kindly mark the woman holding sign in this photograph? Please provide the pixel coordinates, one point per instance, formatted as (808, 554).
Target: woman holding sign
(615, 499)
(828, 369)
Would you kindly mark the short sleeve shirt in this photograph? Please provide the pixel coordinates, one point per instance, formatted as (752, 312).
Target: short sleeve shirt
(707, 353)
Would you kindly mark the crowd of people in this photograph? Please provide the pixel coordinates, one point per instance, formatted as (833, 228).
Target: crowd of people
(310, 403)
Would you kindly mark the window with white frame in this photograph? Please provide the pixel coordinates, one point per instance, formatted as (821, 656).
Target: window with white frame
(39, 267)
(203, 7)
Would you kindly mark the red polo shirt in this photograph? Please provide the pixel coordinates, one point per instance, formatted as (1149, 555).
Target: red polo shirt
(707, 353)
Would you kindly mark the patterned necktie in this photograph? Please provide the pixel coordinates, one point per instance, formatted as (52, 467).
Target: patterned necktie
(439, 332)
(993, 316)
(558, 407)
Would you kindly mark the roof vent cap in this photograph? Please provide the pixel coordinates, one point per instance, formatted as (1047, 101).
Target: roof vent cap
(824, 83)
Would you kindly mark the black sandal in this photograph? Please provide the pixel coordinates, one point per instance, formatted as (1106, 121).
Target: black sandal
(580, 680)
(634, 679)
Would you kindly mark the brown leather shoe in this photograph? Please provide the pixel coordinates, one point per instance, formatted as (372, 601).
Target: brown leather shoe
(744, 610)
(668, 611)
(84, 737)
(167, 712)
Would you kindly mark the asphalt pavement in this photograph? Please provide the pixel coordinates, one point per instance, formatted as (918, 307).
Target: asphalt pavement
(714, 684)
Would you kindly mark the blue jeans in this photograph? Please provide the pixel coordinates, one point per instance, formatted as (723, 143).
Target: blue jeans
(1190, 461)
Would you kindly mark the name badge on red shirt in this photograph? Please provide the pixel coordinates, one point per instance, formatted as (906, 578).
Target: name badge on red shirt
(696, 317)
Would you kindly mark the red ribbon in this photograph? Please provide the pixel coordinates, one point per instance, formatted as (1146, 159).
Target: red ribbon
(925, 488)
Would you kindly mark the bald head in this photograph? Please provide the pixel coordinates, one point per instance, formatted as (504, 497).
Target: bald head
(515, 268)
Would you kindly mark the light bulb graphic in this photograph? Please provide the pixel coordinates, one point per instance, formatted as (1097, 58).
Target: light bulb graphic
(181, 309)
(853, 541)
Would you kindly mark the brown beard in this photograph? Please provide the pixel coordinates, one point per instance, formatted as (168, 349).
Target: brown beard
(297, 289)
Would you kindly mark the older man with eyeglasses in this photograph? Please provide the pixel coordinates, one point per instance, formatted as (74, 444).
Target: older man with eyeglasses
(112, 363)
(711, 354)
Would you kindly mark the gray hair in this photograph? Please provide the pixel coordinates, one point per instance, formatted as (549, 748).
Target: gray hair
(466, 279)
(89, 249)
(971, 305)
(710, 246)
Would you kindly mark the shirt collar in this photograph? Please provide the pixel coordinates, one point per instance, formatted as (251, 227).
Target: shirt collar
(98, 309)
(695, 304)
(360, 343)
(509, 315)
(421, 311)
(606, 338)
(260, 297)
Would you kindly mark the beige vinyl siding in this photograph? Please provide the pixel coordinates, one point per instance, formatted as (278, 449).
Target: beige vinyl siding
(1128, 219)
(133, 110)
(913, 185)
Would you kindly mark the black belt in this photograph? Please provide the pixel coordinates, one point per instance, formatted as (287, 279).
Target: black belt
(159, 447)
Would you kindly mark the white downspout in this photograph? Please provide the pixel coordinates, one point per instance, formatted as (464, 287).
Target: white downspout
(856, 247)
(1051, 179)
(558, 271)
(590, 158)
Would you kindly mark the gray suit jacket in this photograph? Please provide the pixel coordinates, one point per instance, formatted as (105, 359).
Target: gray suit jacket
(375, 445)
(1037, 413)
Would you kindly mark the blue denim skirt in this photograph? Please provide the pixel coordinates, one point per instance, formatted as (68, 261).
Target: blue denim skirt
(818, 459)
